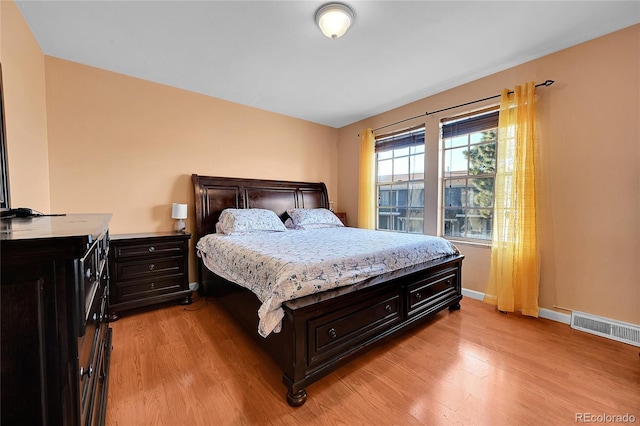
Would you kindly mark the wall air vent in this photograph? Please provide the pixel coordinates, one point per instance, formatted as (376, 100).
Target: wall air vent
(605, 327)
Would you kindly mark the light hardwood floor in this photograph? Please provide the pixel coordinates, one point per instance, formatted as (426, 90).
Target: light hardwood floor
(194, 366)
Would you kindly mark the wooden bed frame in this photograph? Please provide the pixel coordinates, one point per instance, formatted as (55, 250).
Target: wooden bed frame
(322, 331)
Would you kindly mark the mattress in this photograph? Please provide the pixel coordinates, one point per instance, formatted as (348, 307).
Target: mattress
(281, 266)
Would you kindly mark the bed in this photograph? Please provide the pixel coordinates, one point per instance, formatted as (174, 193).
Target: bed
(321, 331)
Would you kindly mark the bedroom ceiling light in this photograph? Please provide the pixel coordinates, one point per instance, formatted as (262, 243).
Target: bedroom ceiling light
(334, 19)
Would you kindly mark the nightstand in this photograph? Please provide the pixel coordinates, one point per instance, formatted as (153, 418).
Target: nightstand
(148, 269)
(342, 217)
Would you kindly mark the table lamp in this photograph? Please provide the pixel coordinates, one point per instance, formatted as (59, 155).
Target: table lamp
(179, 211)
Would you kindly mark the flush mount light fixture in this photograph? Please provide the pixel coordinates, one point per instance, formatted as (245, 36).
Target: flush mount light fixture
(334, 19)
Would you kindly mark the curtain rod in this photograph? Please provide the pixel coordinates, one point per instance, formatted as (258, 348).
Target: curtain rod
(547, 83)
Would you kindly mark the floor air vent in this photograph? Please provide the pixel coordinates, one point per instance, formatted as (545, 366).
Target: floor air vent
(605, 327)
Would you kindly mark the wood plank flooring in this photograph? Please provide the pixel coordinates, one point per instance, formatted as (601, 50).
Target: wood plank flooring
(193, 366)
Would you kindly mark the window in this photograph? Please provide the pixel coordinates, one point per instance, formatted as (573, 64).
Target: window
(469, 144)
(400, 181)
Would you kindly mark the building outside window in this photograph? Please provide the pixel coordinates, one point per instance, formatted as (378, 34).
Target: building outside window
(400, 181)
(469, 143)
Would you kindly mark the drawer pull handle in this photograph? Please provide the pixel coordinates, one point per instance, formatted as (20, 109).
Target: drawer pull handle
(152, 249)
(418, 296)
(152, 267)
(86, 371)
(388, 308)
(152, 286)
(332, 333)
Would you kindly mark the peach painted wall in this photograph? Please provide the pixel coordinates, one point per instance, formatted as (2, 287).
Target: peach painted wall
(25, 111)
(127, 146)
(589, 173)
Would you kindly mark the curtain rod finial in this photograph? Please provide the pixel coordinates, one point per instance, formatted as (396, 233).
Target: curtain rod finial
(548, 83)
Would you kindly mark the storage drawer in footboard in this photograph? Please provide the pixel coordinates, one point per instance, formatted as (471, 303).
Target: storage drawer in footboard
(428, 294)
(336, 333)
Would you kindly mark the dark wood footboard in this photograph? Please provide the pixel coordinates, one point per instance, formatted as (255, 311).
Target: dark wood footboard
(323, 331)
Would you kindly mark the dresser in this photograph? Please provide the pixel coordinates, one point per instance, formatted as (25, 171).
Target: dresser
(56, 342)
(148, 269)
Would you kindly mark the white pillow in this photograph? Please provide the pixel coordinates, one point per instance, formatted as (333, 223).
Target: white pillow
(245, 221)
(313, 218)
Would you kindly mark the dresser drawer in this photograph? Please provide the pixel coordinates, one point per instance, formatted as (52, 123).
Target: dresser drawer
(148, 288)
(159, 248)
(336, 332)
(425, 295)
(99, 404)
(90, 347)
(148, 268)
(89, 271)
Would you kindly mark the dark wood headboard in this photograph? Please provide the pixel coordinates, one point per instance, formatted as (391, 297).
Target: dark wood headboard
(214, 194)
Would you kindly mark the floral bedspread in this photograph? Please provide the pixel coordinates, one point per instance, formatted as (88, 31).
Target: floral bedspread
(281, 266)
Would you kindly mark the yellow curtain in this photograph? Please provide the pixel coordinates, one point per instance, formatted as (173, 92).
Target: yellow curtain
(366, 190)
(514, 274)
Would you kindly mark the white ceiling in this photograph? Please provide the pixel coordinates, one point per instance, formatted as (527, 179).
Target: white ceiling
(271, 55)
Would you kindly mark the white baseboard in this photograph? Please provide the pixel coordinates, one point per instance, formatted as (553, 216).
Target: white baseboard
(555, 316)
(472, 294)
(543, 313)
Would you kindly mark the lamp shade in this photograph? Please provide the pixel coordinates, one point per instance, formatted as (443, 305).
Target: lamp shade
(334, 19)
(178, 211)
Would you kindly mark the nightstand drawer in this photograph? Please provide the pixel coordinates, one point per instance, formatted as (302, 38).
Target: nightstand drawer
(148, 288)
(160, 248)
(149, 267)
